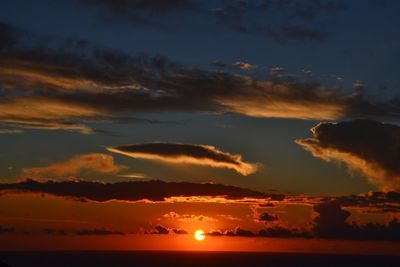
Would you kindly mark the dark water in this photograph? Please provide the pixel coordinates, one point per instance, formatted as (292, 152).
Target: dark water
(207, 259)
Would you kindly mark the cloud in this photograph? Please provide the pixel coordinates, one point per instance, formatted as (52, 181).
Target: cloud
(368, 146)
(282, 21)
(276, 231)
(90, 232)
(94, 162)
(187, 218)
(185, 153)
(243, 65)
(49, 231)
(6, 230)
(163, 230)
(10, 131)
(301, 33)
(72, 84)
(144, 13)
(179, 231)
(267, 217)
(284, 232)
(276, 71)
(372, 202)
(331, 223)
(129, 190)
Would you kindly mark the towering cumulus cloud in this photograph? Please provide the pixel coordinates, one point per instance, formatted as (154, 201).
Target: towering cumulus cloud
(365, 145)
(184, 153)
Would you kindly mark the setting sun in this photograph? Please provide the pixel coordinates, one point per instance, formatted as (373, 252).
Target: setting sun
(199, 235)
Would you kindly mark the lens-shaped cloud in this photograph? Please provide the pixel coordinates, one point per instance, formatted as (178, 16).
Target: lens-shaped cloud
(185, 153)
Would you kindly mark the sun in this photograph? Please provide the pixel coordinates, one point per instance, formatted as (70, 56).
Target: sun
(199, 235)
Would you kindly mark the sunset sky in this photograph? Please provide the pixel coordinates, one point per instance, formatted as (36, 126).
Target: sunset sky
(271, 125)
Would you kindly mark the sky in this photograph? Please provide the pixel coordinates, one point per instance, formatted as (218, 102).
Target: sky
(142, 122)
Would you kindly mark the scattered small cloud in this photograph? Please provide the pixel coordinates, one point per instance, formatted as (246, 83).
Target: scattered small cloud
(276, 71)
(359, 85)
(243, 65)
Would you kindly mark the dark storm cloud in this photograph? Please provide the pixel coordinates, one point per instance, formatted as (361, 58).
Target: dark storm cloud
(186, 153)
(369, 146)
(242, 232)
(275, 231)
(129, 191)
(44, 87)
(93, 162)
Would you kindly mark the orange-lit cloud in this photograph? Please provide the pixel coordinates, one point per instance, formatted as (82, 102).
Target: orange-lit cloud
(187, 218)
(184, 153)
(274, 100)
(46, 113)
(364, 145)
(65, 89)
(94, 162)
